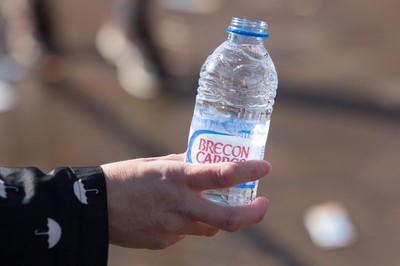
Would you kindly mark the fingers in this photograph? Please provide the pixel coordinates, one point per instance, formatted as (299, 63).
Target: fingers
(200, 229)
(223, 175)
(229, 218)
(175, 157)
(158, 242)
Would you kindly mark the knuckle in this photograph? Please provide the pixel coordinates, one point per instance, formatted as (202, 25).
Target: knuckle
(232, 223)
(211, 231)
(172, 226)
(174, 223)
(224, 175)
(169, 173)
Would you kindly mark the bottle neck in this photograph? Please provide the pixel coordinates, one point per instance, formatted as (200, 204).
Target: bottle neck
(242, 30)
(238, 38)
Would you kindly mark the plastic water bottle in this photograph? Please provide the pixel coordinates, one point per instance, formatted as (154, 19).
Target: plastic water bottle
(236, 92)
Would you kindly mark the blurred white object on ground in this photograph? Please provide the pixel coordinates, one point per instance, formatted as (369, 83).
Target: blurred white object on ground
(329, 225)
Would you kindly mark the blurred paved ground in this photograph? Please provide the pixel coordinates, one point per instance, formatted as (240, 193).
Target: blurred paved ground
(334, 132)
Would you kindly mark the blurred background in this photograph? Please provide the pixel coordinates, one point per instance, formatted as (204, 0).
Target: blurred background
(89, 82)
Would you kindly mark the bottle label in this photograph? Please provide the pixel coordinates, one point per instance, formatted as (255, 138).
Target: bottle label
(233, 140)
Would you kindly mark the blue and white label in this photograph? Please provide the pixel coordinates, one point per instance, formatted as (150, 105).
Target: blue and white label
(234, 140)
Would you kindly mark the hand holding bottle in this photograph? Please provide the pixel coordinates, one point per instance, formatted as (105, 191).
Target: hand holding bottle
(155, 202)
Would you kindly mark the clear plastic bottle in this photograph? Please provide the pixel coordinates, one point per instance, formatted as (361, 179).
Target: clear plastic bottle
(236, 92)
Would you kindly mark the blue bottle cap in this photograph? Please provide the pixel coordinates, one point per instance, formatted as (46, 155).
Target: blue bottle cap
(248, 27)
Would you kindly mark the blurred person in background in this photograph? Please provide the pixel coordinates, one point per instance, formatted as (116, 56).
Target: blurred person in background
(29, 37)
(130, 39)
(69, 216)
(126, 39)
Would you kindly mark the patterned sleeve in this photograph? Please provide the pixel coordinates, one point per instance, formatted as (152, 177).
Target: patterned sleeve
(58, 218)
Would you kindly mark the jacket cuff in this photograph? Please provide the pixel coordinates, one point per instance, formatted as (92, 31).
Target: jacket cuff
(90, 190)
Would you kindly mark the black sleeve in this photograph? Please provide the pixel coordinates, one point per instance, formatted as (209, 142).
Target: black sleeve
(58, 218)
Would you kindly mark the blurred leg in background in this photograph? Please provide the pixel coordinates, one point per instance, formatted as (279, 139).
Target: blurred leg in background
(29, 37)
(51, 68)
(126, 40)
(132, 40)
(19, 32)
(11, 70)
